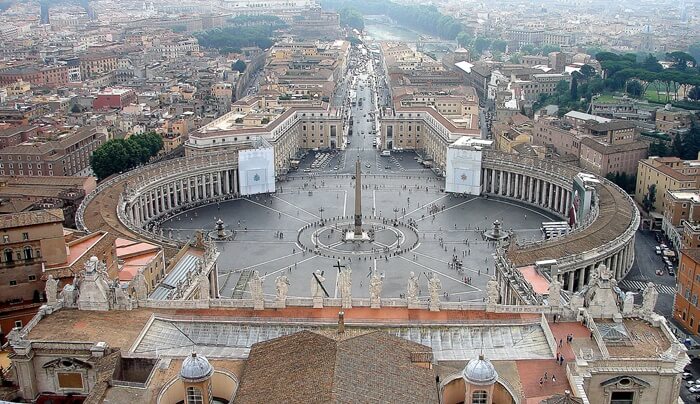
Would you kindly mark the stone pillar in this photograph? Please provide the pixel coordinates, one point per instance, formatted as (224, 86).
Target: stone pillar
(500, 183)
(24, 368)
(550, 199)
(219, 185)
(197, 181)
(523, 187)
(211, 185)
(571, 281)
(234, 173)
(493, 181)
(581, 277)
(508, 181)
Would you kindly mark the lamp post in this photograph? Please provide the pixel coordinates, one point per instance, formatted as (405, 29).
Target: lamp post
(320, 210)
(396, 213)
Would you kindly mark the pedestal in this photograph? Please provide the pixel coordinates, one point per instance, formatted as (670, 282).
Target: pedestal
(318, 302)
(413, 304)
(347, 304)
(435, 306)
(375, 303)
(258, 304)
(281, 303)
(351, 236)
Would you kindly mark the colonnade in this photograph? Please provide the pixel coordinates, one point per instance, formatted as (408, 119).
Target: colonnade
(182, 189)
(534, 190)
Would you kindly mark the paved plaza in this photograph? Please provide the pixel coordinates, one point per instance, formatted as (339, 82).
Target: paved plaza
(266, 230)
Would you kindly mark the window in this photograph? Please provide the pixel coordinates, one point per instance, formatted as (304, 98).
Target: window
(7, 254)
(13, 283)
(28, 253)
(480, 397)
(5, 239)
(25, 236)
(622, 397)
(32, 278)
(18, 323)
(194, 396)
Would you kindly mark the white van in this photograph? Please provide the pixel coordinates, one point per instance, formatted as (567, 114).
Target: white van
(385, 153)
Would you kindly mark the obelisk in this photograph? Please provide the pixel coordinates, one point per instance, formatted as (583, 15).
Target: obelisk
(358, 200)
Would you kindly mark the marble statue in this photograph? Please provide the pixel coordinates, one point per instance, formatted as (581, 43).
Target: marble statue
(204, 286)
(434, 288)
(345, 287)
(375, 290)
(554, 298)
(255, 285)
(140, 286)
(317, 280)
(51, 290)
(492, 293)
(628, 303)
(412, 288)
(282, 287)
(649, 298)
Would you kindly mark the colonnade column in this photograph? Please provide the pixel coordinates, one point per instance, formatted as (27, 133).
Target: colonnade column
(500, 183)
(570, 274)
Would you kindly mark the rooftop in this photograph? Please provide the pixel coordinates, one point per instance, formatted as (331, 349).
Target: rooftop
(32, 218)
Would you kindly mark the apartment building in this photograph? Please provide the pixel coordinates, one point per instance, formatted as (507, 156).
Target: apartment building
(686, 309)
(673, 120)
(667, 174)
(288, 126)
(17, 134)
(97, 65)
(681, 206)
(67, 153)
(46, 76)
(114, 98)
(30, 240)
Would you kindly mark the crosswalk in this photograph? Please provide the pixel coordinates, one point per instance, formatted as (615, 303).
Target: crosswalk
(634, 285)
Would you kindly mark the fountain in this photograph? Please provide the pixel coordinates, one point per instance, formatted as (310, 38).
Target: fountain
(496, 233)
(220, 233)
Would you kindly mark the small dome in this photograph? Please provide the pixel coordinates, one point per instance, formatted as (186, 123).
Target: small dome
(196, 368)
(480, 372)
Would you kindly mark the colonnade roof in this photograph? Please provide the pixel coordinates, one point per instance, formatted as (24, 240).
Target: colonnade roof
(615, 215)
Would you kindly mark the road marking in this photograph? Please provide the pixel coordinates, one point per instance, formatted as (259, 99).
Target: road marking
(635, 285)
(423, 207)
(295, 206)
(345, 202)
(446, 209)
(278, 211)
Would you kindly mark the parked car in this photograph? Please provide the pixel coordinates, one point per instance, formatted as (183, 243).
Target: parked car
(658, 250)
(687, 375)
(694, 389)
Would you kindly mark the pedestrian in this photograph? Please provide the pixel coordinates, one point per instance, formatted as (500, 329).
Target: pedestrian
(554, 379)
(591, 334)
(545, 375)
(541, 381)
(561, 341)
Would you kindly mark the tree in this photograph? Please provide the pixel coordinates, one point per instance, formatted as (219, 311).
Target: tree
(681, 60)
(587, 72)
(694, 93)
(694, 50)
(562, 87)
(352, 18)
(651, 63)
(635, 88)
(574, 86)
(658, 148)
(649, 199)
(239, 66)
(499, 45)
(481, 44)
(118, 155)
(76, 109)
(464, 39)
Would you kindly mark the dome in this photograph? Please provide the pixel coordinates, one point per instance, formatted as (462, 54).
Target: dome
(196, 368)
(480, 372)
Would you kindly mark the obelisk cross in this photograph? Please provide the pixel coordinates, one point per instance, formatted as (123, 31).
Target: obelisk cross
(358, 199)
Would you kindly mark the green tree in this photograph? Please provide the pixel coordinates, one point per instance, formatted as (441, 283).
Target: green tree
(651, 63)
(562, 87)
(681, 60)
(649, 199)
(694, 93)
(238, 66)
(351, 17)
(658, 148)
(119, 155)
(464, 39)
(587, 72)
(574, 86)
(499, 45)
(635, 88)
(481, 44)
(694, 50)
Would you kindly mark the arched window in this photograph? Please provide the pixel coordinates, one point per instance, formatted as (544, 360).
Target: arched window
(480, 397)
(194, 396)
(28, 253)
(9, 257)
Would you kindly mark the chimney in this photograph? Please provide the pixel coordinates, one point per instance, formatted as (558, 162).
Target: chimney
(341, 322)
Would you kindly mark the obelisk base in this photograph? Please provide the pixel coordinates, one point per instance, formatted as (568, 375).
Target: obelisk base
(351, 236)
(318, 302)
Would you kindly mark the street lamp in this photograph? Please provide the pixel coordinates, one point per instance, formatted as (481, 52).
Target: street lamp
(396, 213)
(320, 210)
